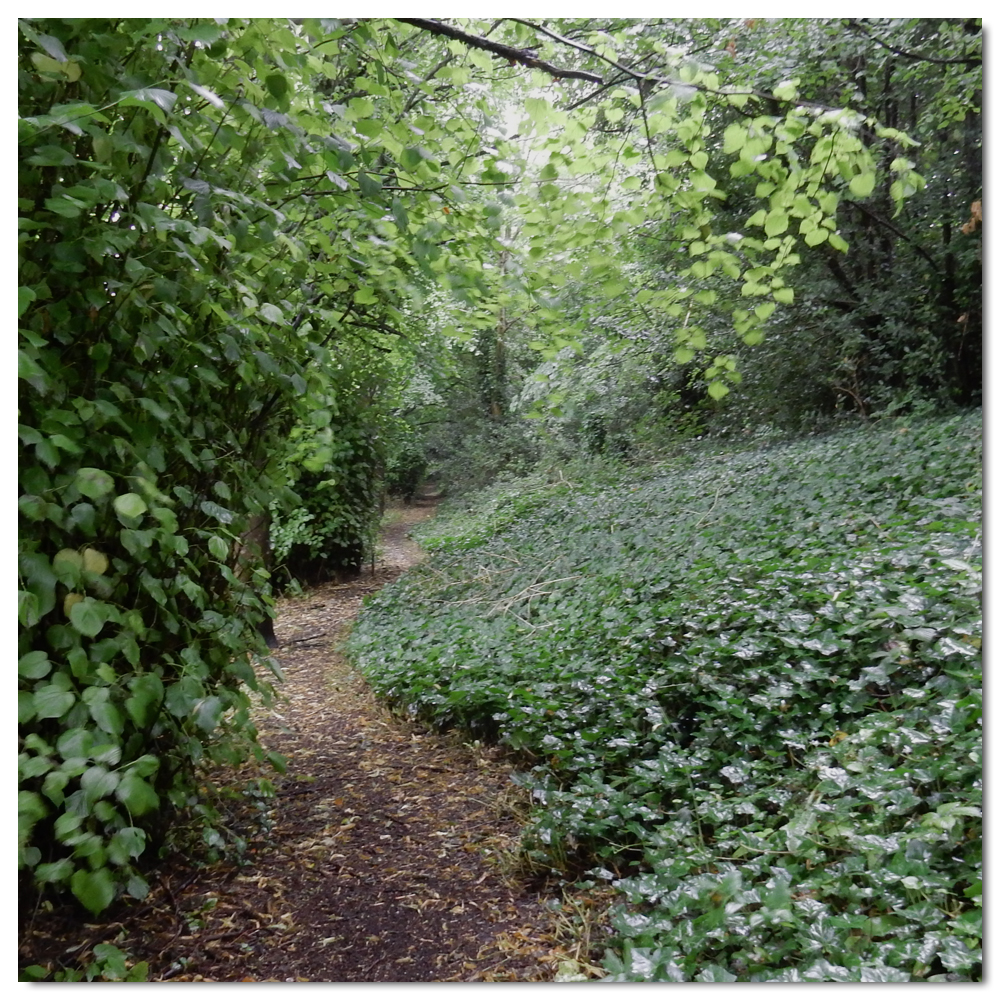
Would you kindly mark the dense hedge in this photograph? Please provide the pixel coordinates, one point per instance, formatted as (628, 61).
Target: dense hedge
(156, 369)
(180, 314)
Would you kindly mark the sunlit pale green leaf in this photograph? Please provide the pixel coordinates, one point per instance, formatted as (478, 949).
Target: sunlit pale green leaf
(130, 505)
(862, 185)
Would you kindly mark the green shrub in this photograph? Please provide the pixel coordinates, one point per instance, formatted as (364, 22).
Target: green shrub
(326, 533)
(153, 393)
(109, 965)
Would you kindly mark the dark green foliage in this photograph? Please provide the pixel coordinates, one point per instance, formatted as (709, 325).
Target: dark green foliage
(748, 688)
(232, 248)
(890, 325)
(110, 965)
(146, 420)
(198, 280)
(335, 467)
(897, 320)
(406, 472)
(324, 537)
(467, 445)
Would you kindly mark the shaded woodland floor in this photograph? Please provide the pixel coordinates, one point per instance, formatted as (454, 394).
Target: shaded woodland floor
(389, 853)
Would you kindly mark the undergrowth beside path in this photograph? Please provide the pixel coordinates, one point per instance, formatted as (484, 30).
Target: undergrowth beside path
(747, 691)
(386, 853)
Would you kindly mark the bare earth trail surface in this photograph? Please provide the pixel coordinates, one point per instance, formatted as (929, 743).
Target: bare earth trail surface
(385, 855)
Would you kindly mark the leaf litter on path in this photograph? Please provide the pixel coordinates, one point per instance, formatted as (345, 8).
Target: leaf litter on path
(388, 853)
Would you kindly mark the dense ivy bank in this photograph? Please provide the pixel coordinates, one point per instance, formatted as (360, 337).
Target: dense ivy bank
(749, 691)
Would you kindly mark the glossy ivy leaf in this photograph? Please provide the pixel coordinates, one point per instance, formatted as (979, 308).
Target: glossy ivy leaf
(715, 974)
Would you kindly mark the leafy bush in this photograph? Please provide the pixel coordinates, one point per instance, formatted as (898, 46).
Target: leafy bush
(335, 473)
(149, 388)
(406, 471)
(748, 688)
(184, 301)
(470, 454)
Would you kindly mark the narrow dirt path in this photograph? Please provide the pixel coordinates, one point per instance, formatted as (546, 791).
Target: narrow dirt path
(387, 855)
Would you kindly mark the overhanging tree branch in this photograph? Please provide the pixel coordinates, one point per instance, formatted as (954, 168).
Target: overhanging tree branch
(899, 232)
(969, 61)
(526, 58)
(521, 56)
(635, 74)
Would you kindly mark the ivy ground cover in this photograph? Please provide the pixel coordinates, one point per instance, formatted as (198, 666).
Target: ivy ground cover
(747, 688)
